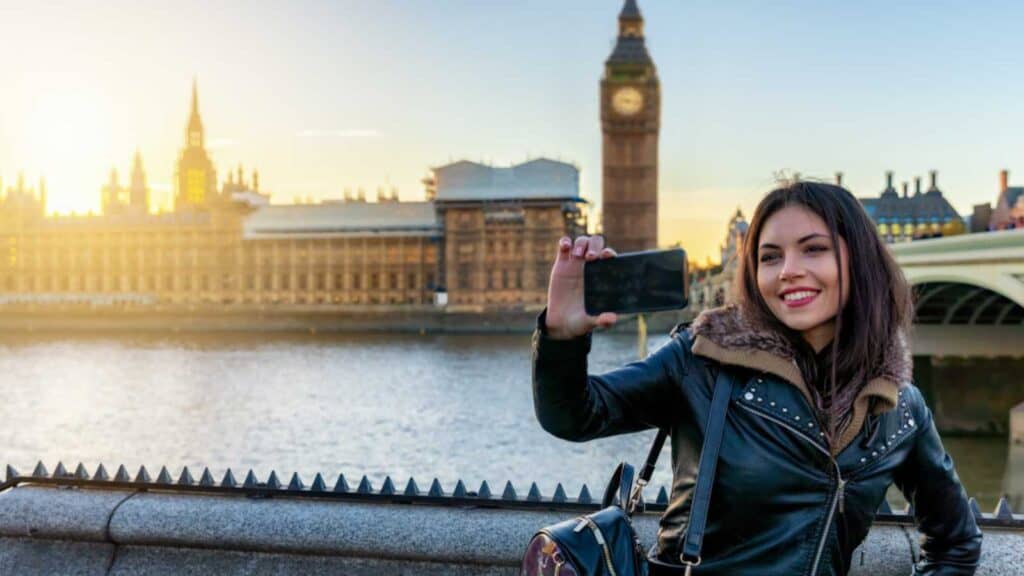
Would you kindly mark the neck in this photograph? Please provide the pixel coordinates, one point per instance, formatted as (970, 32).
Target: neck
(820, 336)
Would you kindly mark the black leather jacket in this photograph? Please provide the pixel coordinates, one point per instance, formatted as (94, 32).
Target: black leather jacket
(783, 501)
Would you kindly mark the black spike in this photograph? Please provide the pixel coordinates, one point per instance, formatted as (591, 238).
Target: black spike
(388, 488)
(484, 491)
(509, 493)
(559, 496)
(122, 474)
(341, 485)
(534, 495)
(207, 479)
(229, 480)
(143, 476)
(584, 497)
(273, 482)
(40, 471)
(11, 473)
(250, 480)
(81, 473)
(364, 486)
(296, 483)
(164, 477)
(186, 479)
(884, 507)
(460, 490)
(435, 488)
(60, 471)
(411, 489)
(973, 503)
(1003, 511)
(318, 484)
(662, 496)
(101, 474)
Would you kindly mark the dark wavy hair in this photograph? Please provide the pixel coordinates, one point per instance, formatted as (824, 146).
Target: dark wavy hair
(878, 308)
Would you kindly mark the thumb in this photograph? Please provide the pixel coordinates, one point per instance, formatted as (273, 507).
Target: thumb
(607, 319)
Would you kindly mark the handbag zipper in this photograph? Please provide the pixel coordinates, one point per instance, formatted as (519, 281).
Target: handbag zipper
(837, 498)
(586, 521)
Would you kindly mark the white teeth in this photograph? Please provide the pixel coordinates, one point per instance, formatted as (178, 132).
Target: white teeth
(798, 295)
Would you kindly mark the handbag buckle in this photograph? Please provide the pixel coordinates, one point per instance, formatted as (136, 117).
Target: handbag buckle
(689, 565)
(634, 496)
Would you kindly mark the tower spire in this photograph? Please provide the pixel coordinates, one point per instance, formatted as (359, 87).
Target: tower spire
(195, 97)
(630, 11)
(195, 122)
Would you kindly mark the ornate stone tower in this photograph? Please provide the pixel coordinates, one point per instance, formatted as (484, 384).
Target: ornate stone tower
(197, 179)
(630, 120)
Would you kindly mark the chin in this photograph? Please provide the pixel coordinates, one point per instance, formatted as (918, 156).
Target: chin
(801, 321)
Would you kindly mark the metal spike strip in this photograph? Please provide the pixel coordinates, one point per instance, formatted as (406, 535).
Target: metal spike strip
(318, 484)
(40, 471)
(164, 477)
(534, 494)
(341, 485)
(435, 489)
(411, 489)
(559, 496)
(1001, 516)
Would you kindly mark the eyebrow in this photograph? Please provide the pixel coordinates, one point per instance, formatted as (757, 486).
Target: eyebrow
(800, 241)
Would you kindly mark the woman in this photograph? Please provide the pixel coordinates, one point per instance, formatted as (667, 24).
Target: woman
(823, 417)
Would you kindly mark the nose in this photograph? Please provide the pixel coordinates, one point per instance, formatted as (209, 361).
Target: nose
(791, 268)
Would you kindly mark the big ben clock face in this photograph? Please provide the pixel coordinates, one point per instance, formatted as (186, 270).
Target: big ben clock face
(627, 101)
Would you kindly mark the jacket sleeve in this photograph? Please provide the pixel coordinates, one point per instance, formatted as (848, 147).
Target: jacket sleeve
(576, 406)
(950, 538)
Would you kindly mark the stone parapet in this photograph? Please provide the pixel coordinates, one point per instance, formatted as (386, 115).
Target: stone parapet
(94, 531)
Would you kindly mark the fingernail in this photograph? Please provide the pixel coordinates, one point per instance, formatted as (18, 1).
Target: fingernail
(577, 252)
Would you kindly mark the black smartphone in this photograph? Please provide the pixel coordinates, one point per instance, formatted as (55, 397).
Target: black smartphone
(636, 282)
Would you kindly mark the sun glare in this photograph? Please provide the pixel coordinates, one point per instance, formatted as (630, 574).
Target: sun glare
(68, 141)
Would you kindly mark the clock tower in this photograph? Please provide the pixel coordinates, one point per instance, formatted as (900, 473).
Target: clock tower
(630, 120)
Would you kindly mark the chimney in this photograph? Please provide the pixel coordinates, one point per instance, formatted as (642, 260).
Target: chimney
(935, 177)
(906, 187)
(888, 180)
(1004, 180)
(917, 185)
(839, 178)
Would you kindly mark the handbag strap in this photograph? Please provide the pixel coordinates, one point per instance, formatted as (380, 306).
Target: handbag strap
(694, 537)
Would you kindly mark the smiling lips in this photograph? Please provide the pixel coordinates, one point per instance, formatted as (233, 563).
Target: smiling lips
(797, 297)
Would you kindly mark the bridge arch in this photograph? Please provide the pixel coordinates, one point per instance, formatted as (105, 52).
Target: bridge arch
(964, 303)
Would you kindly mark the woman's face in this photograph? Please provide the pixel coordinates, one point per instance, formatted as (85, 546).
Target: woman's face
(797, 274)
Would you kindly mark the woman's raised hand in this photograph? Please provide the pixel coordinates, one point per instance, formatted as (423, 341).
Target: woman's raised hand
(566, 317)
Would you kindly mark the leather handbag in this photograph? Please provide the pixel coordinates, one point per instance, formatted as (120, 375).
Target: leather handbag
(604, 543)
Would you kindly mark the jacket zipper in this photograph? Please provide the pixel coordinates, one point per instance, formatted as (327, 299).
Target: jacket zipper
(837, 498)
(586, 521)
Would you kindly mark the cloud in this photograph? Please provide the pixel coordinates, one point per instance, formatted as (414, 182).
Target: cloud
(350, 133)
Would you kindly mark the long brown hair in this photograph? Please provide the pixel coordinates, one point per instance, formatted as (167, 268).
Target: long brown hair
(878, 309)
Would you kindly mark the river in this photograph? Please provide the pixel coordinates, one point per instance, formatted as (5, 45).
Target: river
(445, 406)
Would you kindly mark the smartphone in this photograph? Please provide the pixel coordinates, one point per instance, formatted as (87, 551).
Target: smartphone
(636, 282)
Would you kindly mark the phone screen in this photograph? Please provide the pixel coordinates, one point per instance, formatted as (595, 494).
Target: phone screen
(636, 282)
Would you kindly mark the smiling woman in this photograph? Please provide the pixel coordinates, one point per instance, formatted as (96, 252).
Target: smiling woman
(67, 139)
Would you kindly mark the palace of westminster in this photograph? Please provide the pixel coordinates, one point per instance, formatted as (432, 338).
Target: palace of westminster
(483, 238)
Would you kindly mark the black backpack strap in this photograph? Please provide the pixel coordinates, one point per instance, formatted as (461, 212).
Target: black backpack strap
(694, 537)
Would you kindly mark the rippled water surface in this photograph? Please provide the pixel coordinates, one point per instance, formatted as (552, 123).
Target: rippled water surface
(445, 406)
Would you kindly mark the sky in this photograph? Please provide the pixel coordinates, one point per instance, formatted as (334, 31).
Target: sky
(321, 96)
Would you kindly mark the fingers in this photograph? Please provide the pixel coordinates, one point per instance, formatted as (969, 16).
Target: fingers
(607, 319)
(594, 247)
(579, 247)
(608, 253)
(564, 247)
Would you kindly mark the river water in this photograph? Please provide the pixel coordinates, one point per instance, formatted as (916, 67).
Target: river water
(445, 406)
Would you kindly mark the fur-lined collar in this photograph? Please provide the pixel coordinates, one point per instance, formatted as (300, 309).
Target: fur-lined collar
(727, 336)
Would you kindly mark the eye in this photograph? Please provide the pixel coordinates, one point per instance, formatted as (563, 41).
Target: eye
(769, 257)
(817, 248)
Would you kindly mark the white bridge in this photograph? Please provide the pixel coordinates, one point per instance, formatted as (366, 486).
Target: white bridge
(969, 293)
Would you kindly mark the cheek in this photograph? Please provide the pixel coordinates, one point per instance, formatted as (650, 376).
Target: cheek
(765, 284)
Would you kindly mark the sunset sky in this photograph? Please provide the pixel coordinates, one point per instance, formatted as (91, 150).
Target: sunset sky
(320, 96)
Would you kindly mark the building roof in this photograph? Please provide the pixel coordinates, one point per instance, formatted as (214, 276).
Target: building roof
(539, 179)
(893, 207)
(630, 50)
(343, 219)
(630, 11)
